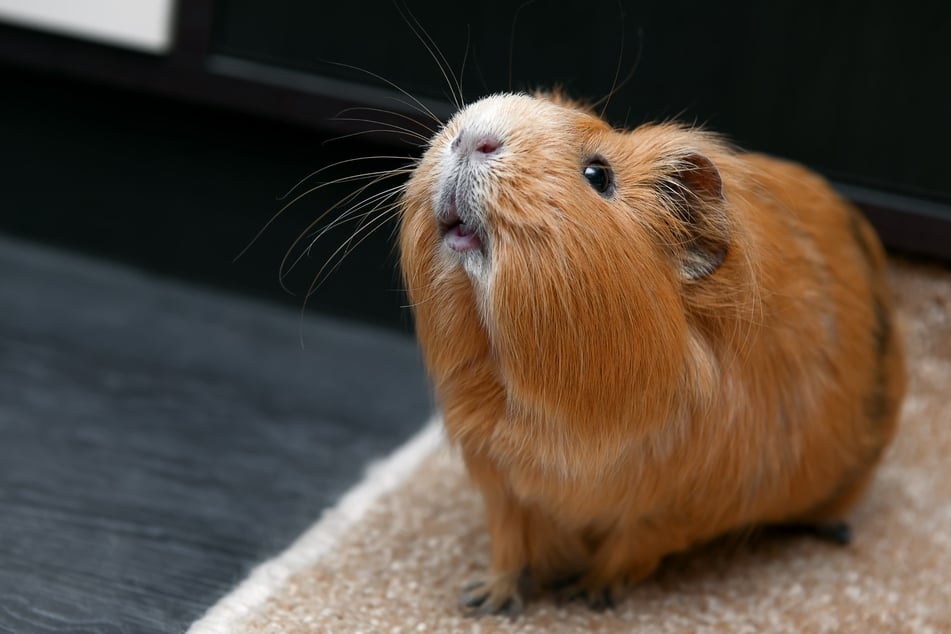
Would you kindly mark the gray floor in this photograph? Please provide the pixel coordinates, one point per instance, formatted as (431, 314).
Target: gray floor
(158, 440)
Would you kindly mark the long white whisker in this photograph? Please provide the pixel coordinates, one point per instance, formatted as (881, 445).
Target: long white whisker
(455, 90)
(355, 177)
(419, 142)
(344, 201)
(419, 105)
(385, 200)
(283, 269)
(394, 157)
(391, 113)
(278, 214)
(388, 205)
(350, 213)
(320, 278)
(348, 245)
(390, 127)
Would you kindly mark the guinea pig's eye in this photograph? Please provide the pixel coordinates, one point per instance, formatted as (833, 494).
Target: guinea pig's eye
(599, 176)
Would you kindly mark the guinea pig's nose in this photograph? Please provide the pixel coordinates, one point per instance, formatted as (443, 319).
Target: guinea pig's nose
(487, 144)
(467, 143)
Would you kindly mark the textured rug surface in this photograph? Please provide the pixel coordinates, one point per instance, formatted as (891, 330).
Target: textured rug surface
(393, 554)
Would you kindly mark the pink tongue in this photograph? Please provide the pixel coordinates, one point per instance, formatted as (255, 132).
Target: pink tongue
(463, 238)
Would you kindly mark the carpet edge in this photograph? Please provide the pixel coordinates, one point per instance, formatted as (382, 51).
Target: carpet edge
(381, 476)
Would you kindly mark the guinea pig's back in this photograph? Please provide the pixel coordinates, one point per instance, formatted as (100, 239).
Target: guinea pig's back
(823, 274)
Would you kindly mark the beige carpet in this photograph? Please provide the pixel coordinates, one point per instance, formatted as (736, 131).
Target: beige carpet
(393, 554)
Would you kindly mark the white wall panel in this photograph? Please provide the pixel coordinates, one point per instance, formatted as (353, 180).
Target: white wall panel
(138, 24)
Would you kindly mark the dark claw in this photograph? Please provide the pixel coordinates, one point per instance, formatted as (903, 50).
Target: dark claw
(473, 596)
(565, 583)
(568, 594)
(511, 608)
(472, 600)
(477, 600)
(835, 532)
(570, 591)
(601, 601)
(472, 586)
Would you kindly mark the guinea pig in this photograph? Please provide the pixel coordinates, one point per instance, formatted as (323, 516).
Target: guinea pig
(641, 340)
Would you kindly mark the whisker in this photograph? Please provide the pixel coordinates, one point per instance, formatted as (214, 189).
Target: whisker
(338, 164)
(419, 105)
(349, 216)
(391, 113)
(478, 67)
(465, 58)
(343, 201)
(366, 223)
(348, 245)
(420, 142)
(367, 229)
(431, 294)
(390, 127)
(375, 202)
(411, 106)
(350, 213)
(283, 269)
(637, 62)
(617, 68)
(273, 218)
(430, 45)
(320, 278)
(345, 179)
(360, 217)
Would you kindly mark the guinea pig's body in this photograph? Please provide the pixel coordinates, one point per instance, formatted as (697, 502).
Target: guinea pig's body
(641, 340)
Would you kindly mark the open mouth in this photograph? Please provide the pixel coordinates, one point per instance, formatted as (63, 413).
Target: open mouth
(458, 234)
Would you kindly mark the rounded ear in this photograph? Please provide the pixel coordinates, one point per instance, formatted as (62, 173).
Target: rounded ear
(693, 192)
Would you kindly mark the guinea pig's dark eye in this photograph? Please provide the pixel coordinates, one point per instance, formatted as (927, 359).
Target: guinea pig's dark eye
(599, 176)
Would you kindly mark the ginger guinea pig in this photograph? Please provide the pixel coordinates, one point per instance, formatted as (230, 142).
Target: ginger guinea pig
(641, 340)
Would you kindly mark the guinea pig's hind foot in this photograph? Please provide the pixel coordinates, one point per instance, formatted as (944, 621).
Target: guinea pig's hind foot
(498, 594)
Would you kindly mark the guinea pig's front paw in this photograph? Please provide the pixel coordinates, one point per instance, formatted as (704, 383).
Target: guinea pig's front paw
(498, 594)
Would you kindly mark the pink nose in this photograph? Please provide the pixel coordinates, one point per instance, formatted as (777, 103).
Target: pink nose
(483, 144)
(488, 144)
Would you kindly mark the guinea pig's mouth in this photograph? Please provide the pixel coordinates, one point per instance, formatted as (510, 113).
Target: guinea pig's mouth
(459, 235)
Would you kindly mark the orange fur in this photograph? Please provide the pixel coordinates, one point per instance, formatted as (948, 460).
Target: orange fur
(613, 409)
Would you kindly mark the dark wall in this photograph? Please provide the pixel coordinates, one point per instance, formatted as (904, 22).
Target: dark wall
(181, 190)
(175, 162)
(856, 90)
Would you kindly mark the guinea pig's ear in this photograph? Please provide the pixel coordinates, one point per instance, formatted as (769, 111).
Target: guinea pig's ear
(693, 193)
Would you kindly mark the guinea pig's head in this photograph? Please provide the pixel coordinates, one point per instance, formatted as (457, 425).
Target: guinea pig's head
(564, 245)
